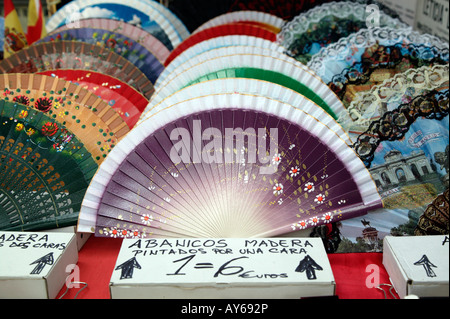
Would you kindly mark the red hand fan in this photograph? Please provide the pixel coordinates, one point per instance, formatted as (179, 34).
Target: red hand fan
(220, 31)
(226, 166)
(124, 99)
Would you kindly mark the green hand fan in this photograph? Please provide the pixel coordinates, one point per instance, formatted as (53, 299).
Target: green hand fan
(44, 170)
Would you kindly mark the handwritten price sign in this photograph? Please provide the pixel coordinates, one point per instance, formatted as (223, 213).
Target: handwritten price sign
(218, 266)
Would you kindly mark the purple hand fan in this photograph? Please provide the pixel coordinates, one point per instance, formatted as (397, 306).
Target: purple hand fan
(227, 165)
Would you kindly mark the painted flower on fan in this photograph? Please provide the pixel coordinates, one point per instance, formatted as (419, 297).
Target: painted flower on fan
(49, 129)
(23, 114)
(278, 189)
(22, 99)
(276, 160)
(43, 104)
(302, 224)
(135, 234)
(314, 221)
(294, 171)
(19, 127)
(320, 199)
(327, 218)
(30, 131)
(147, 219)
(113, 232)
(124, 233)
(309, 187)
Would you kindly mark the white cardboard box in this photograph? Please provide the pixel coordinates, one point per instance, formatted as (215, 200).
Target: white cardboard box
(418, 265)
(279, 268)
(33, 265)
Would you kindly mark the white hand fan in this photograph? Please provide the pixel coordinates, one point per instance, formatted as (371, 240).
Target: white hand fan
(259, 18)
(215, 43)
(255, 87)
(284, 171)
(140, 13)
(273, 66)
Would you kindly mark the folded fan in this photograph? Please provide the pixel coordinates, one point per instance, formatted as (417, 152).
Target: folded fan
(44, 170)
(77, 55)
(287, 171)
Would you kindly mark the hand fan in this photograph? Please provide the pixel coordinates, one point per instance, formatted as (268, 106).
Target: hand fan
(319, 27)
(139, 13)
(77, 55)
(215, 43)
(258, 18)
(126, 101)
(144, 38)
(45, 170)
(220, 31)
(93, 121)
(435, 220)
(255, 87)
(143, 59)
(152, 186)
(403, 87)
(407, 153)
(371, 56)
(250, 62)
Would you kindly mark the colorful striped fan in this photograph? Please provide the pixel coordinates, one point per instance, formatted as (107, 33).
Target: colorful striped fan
(261, 19)
(44, 170)
(139, 35)
(249, 62)
(77, 55)
(317, 28)
(149, 15)
(92, 120)
(125, 100)
(226, 166)
(138, 55)
(216, 43)
(220, 31)
(367, 58)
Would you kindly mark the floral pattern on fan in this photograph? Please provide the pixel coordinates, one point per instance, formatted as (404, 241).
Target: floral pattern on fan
(226, 193)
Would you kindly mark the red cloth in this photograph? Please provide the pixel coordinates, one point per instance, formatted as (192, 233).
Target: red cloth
(97, 258)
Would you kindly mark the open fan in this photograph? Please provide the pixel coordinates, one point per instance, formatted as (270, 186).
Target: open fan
(435, 220)
(403, 87)
(143, 59)
(367, 58)
(226, 166)
(124, 99)
(320, 26)
(220, 31)
(92, 120)
(139, 35)
(249, 62)
(258, 18)
(406, 151)
(147, 14)
(77, 55)
(44, 170)
(215, 43)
